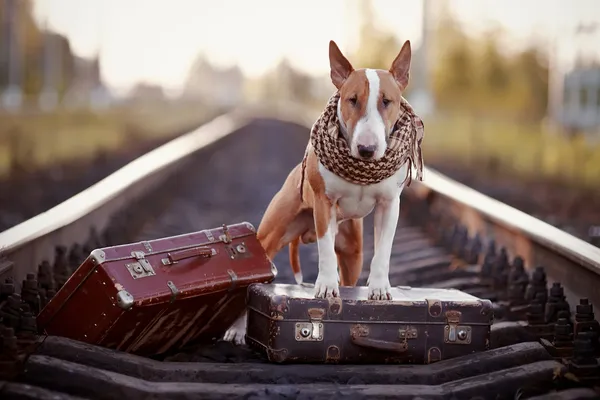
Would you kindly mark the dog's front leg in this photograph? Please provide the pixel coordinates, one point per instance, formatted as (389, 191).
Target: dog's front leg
(327, 283)
(386, 221)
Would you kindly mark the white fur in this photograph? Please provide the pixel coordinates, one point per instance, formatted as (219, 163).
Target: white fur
(357, 201)
(370, 129)
(327, 283)
(237, 331)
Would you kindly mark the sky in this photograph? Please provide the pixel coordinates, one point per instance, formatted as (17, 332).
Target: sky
(156, 41)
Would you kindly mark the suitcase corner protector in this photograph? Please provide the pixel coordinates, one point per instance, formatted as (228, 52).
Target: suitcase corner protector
(249, 226)
(124, 299)
(97, 256)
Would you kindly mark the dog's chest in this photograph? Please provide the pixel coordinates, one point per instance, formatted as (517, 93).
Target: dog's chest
(357, 201)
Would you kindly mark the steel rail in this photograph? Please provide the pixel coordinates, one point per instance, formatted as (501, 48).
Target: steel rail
(538, 242)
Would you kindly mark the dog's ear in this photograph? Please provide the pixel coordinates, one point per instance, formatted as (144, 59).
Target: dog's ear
(340, 66)
(401, 65)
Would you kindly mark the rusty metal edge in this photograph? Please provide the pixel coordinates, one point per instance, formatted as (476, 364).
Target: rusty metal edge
(538, 231)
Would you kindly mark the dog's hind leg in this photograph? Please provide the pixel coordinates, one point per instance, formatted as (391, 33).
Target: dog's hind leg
(349, 251)
(276, 228)
(281, 223)
(237, 331)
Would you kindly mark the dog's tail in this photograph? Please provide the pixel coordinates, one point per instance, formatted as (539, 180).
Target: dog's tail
(295, 260)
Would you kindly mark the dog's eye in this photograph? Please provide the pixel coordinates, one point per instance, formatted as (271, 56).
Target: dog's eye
(352, 100)
(386, 102)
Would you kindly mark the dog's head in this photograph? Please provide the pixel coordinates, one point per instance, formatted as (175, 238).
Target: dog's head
(369, 100)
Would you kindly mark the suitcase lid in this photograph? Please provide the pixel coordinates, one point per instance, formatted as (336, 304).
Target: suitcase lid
(409, 305)
(186, 265)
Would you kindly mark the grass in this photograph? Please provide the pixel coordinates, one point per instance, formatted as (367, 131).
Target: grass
(526, 150)
(38, 140)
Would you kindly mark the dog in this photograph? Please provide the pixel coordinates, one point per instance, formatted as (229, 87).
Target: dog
(330, 210)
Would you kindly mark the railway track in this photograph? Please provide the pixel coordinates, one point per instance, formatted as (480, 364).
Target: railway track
(543, 282)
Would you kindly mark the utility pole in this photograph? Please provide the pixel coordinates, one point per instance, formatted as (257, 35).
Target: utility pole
(12, 98)
(422, 98)
(48, 99)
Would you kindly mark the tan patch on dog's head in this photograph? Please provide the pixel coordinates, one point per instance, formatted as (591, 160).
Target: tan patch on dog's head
(358, 103)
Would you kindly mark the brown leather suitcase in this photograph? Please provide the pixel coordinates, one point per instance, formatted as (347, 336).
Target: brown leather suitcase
(420, 325)
(152, 297)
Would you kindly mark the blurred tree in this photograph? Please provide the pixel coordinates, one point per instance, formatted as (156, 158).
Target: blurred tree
(454, 65)
(475, 76)
(30, 43)
(532, 66)
(495, 74)
(376, 48)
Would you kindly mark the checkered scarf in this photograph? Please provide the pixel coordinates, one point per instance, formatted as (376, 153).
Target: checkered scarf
(333, 151)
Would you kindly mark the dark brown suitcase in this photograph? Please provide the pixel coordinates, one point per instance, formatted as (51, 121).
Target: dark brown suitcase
(420, 326)
(152, 297)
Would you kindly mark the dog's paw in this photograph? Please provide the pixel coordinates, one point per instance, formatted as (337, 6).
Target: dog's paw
(237, 331)
(379, 288)
(326, 286)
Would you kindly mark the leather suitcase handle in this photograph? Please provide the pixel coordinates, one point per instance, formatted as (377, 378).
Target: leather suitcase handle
(202, 251)
(379, 344)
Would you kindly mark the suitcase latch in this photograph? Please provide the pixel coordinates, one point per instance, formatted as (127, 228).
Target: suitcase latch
(407, 332)
(454, 332)
(311, 331)
(141, 268)
(238, 251)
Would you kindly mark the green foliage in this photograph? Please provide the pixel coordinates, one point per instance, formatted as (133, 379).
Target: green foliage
(477, 76)
(33, 141)
(518, 149)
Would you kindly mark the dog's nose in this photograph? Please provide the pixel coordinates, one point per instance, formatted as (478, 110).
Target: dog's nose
(366, 151)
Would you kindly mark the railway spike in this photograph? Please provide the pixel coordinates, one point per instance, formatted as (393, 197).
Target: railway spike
(500, 271)
(586, 322)
(451, 233)
(563, 333)
(30, 293)
(475, 248)
(11, 311)
(460, 240)
(6, 289)
(9, 354)
(561, 346)
(535, 315)
(584, 364)
(93, 242)
(61, 266)
(537, 284)
(28, 328)
(76, 257)
(556, 303)
(105, 238)
(517, 282)
(45, 276)
(10, 350)
(536, 323)
(487, 269)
